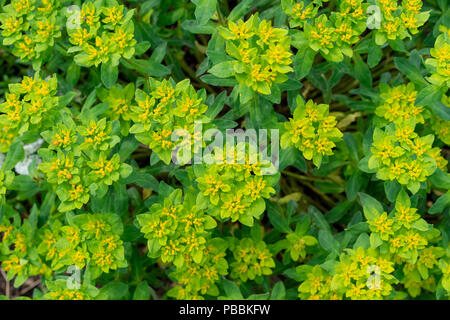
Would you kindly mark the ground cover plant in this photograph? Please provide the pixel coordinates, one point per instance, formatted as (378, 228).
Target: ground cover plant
(114, 183)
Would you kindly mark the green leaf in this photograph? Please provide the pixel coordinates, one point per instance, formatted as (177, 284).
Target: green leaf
(114, 290)
(441, 204)
(142, 48)
(362, 241)
(392, 188)
(73, 74)
(22, 183)
(125, 170)
(328, 187)
(147, 67)
(127, 147)
(256, 232)
(319, 219)
(303, 224)
(193, 26)
(398, 45)
(303, 62)
(240, 10)
(275, 218)
(217, 106)
(231, 290)
(375, 240)
(358, 228)
(144, 180)
(327, 241)
(223, 69)
(216, 81)
(410, 71)
(375, 54)
(288, 157)
(420, 225)
(278, 291)
(47, 204)
(109, 74)
(142, 291)
(372, 208)
(352, 146)
(440, 179)
(353, 185)
(338, 211)
(362, 72)
(431, 97)
(14, 155)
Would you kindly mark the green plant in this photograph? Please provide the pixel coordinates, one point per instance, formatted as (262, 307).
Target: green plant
(224, 150)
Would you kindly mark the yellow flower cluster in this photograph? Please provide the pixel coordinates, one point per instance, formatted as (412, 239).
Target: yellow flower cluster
(198, 279)
(17, 250)
(311, 130)
(398, 21)
(104, 35)
(398, 104)
(317, 285)
(397, 153)
(252, 259)
(30, 105)
(364, 274)
(440, 59)
(31, 28)
(261, 55)
(360, 274)
(58, 290)
(93, 240)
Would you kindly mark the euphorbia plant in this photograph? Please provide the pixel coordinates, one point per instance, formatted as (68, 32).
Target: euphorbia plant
(260, 150)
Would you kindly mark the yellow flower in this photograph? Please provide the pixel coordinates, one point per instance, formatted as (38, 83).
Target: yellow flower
(278, 54)
(409, 20)
(120, 37)
(104, 167)
(161, 139)
(266, 31)
(323, 34)
(47, 6)
(113, 15)
(428, 258)
(383, 224)
(234, 205)
(7, 231)
(87, 15)
(80, 37)
(103, 259)
(21, 243)
(323, 145)
(302, 14)
(391, 27)
(45, 28)
(26, 46)
(42, 88)
(413, 240)
(21, 5)
(165, 92)
(441, 162)
(76, 192)
(27, 84)
(256, 186)
(388, 6)
(260, 74)
(412, 6)
(11, 24)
